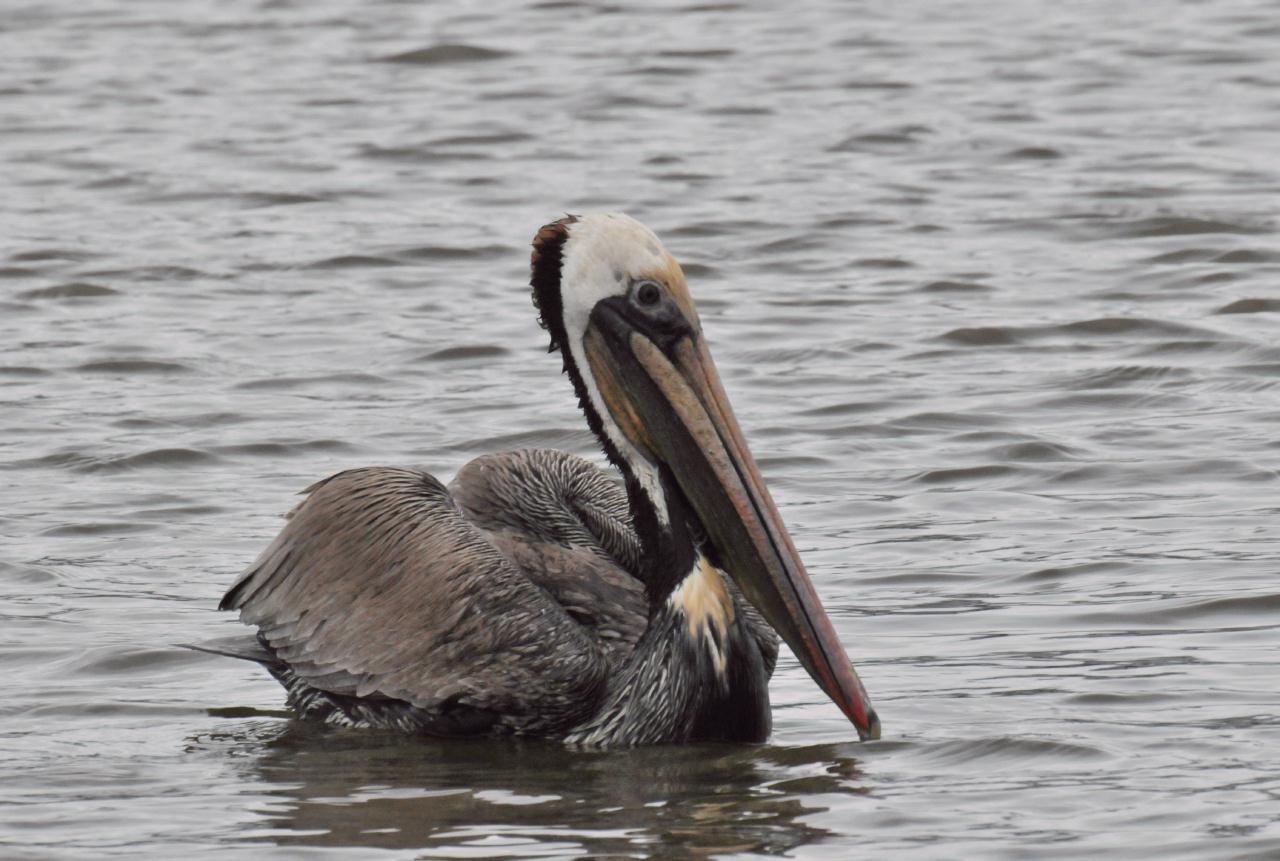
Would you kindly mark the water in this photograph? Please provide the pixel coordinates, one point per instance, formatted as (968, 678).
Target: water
(994, 288)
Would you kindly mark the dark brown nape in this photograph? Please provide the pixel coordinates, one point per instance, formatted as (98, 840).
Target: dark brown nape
(544, 276)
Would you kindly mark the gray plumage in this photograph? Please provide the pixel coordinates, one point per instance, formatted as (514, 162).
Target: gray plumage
(508, 603)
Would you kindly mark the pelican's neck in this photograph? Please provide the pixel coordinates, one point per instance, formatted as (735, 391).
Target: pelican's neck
(696, 674)
(697, 671)
(668, 530)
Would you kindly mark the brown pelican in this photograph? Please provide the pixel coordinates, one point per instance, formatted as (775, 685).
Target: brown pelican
(533, 596)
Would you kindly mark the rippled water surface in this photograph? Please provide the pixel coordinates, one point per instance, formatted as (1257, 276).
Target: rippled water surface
(994, 288)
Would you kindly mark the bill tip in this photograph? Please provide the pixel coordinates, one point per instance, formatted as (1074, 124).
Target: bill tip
(873, 727)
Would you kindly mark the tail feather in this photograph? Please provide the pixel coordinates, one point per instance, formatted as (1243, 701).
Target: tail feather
(246, 647)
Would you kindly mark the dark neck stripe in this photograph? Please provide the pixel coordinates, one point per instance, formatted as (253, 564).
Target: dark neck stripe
(544, 276)
(545, 269)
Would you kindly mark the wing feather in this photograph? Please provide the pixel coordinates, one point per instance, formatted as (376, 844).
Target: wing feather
(378, 586)
(567, 526)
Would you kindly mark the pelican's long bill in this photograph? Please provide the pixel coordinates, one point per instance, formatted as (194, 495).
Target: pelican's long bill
(663, 392)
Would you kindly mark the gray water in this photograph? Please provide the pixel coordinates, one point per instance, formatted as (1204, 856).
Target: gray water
(993, 287)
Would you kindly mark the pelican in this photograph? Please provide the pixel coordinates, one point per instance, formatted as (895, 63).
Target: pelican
(534, 596)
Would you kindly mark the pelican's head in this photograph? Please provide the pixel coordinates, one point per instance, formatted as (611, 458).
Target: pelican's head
(617, 307)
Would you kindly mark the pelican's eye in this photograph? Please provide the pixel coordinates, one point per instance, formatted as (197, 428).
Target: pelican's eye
(648, 294)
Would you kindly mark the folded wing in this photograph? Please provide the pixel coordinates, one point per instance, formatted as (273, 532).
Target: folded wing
(379, 589)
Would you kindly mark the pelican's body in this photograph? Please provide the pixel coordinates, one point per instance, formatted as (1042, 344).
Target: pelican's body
(534, 595)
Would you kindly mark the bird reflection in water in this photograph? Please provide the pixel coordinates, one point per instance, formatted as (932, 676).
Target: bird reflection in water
(515, 798)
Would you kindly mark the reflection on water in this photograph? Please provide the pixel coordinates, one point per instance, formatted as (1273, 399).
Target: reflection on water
(513, 799)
